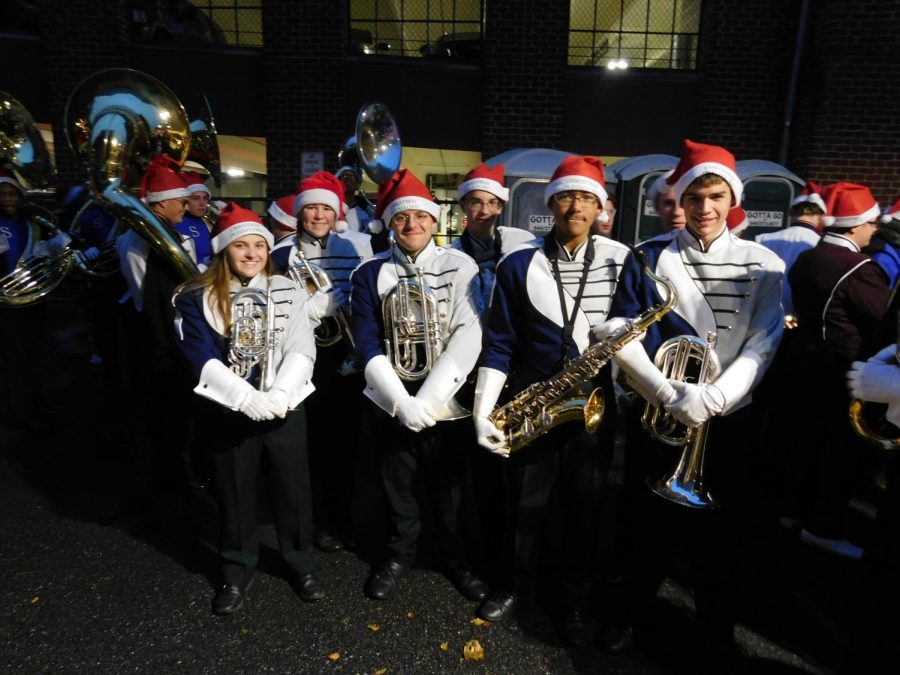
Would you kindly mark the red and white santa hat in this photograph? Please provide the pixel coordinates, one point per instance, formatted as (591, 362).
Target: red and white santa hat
(581, 173)
(7, 177)
(848, 205)
(195, 182)
(402, 192)
(737, 220)
(281, 210)
(485, 178)
(698, 159)
(320, 188)
(162, 181)
(235, 222)
(811, 194)
(891, 213)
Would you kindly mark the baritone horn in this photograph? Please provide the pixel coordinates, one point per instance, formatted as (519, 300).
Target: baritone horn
(116, 121)
(685, 358)
(253, 335)
(413, 342)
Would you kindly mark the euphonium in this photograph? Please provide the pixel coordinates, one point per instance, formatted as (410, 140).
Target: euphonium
(544, 405)
(22, 148)
(685, 486)
(414, 341)
(252, 340)
(314, 279)
(116, 120)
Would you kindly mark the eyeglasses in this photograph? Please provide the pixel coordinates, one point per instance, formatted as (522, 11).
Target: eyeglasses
(565, 199)
(490, 205)
(418, 217)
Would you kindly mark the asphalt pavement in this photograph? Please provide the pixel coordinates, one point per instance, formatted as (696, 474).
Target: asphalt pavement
(100, 574)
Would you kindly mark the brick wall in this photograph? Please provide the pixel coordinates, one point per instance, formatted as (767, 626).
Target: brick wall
(78, 37)
(745, 59)
(847, 126)
(303, 67)
(525, 44)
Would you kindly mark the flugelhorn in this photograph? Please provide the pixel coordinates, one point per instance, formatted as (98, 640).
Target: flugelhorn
(116, 121)
(253, 335)
(685, 358)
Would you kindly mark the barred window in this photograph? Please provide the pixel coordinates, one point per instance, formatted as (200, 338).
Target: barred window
(240, 21)
(429, 28)
(634, 33)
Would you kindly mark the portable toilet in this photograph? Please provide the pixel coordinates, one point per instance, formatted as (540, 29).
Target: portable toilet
(769, 189)
(636, 219)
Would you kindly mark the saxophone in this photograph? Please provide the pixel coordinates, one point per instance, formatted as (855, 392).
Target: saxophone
(544, 405)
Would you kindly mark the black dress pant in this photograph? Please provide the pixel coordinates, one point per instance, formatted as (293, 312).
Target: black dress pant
(278, 447)
(22, 334)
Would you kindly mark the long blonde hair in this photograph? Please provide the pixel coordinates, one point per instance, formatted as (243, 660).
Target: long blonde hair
(217, 278)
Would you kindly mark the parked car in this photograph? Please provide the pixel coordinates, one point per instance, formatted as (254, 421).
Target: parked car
(454, 45)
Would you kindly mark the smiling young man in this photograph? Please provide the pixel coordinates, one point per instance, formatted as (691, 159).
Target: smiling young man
(728, 290)
(192, 223)
(407, 411)
(318, 207)
(547, 298)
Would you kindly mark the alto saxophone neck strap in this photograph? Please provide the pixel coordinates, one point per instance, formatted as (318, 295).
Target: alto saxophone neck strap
(551, 250)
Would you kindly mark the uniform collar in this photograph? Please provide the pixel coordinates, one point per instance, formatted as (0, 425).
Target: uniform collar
(423, 256)
(840, 240)
(261, 280)
(689, 240)
(304, 237)
(577, 254)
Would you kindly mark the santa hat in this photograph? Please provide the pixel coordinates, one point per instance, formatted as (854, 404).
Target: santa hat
(484, 178)
(281, 210)
(737, 220)
(7, 177)
(848, 205)
(162, 181)
(402, 192)
(235, 222)
(320, 188)
(891, 213)
(698, 159)
(579, 173)
(811, 194)
(194, 182)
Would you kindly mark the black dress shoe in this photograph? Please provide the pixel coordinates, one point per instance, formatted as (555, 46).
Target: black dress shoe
(469, 586)
(230, 597)
(326, 542)
(384, 581)
(497, 607)
(577, 629)
(617, 638)
(308, 587)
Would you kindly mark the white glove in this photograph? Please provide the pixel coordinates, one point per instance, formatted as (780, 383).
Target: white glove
(256, 406)
(412, 414)
(886, 355)
(326, 304)
(91, 253)
(58, 242)
(603, 330)
(874, 381)
(40, 249)
(695, 403)
(643, 376)
(278, 402)
(490, 437)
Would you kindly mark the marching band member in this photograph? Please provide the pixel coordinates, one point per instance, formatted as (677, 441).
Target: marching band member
(414, 443)
(281, 221)
(192, 224)
(252, 426)
(547, 298)
(884, 248)
(318, 208)
(671, 215)
(840, 299)
(804, 232)
(355, 211)
(728, 291)
(21, 328)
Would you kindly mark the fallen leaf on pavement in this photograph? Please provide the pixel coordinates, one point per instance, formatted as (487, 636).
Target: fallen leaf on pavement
(445, 646)
(334, 656)
(473, 651)
(480, 622)
(35, 600)
(374, 627)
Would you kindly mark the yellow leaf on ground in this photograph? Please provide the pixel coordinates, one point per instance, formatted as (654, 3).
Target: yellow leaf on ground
(334, 656)
(409, 615)
(35, 600)
(473, 651)
(245, 631)
(374, 627)
(480, 622)
(381, 671)
(445, 646)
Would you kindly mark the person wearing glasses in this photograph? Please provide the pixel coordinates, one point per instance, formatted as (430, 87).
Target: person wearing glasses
(412, 393)
(547, 298)
(840, 299)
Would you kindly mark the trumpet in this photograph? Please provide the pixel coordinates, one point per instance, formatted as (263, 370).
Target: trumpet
(414, 341)
(685, 485)
(253, 335)
(314, 279)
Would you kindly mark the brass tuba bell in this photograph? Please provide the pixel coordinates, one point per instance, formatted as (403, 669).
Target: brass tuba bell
(116, 121)
(685, 358)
